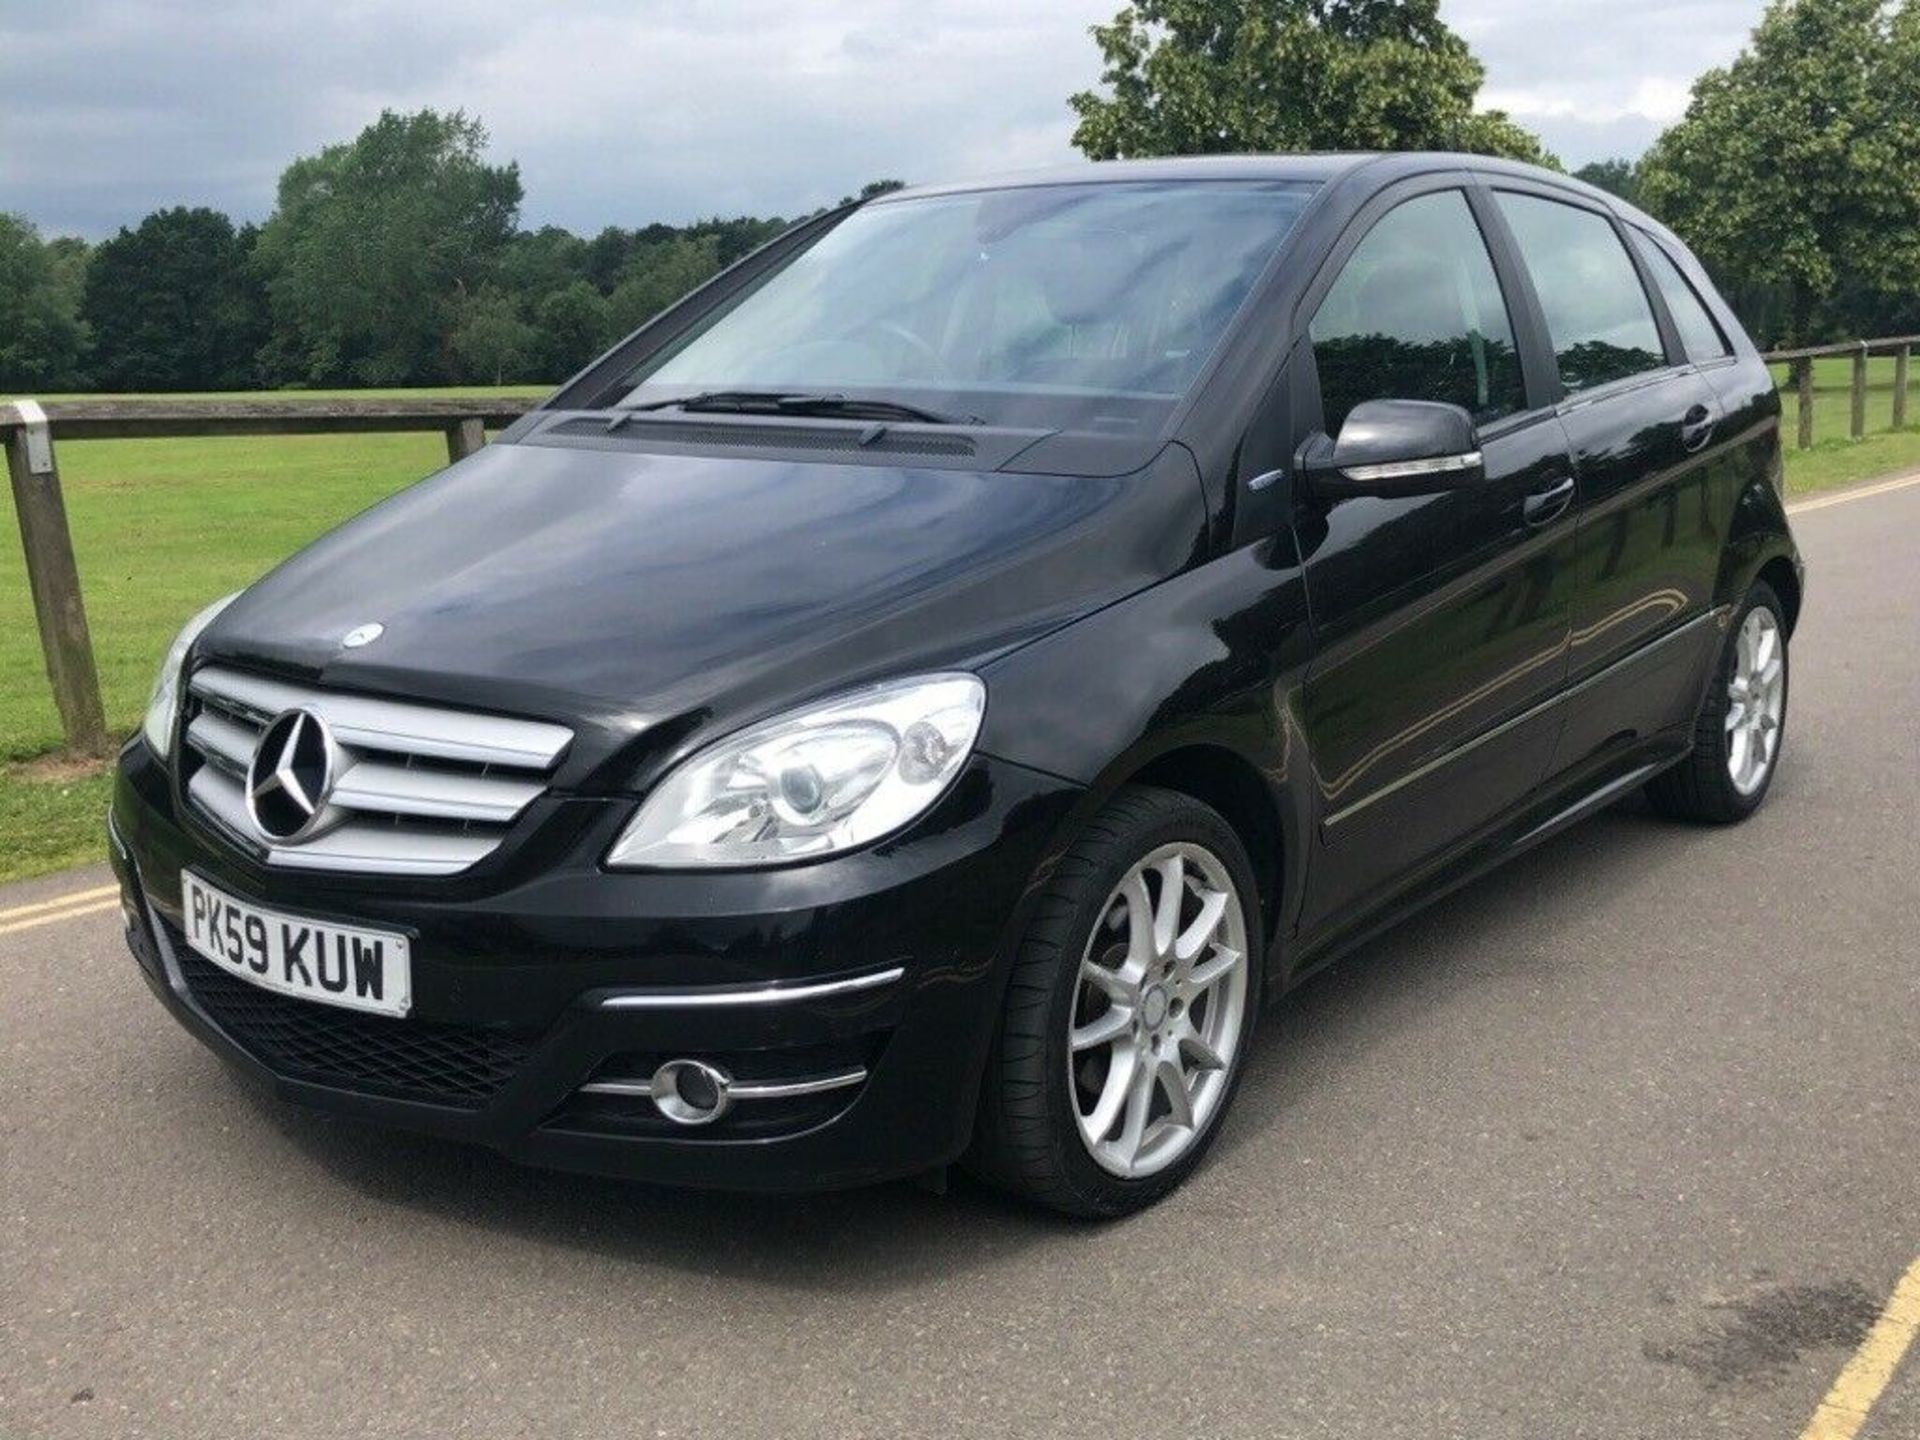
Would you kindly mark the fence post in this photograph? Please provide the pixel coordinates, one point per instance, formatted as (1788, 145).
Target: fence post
(465, 437)
(1859, 426)
(1900, 387)
(1805, 365)
(54, 578)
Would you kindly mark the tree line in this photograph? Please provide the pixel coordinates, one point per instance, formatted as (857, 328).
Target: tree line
(1794, 173)
(397, 258)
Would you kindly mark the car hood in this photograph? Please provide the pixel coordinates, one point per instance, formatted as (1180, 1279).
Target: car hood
(678, 595)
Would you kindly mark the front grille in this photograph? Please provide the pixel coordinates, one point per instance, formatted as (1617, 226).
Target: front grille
(409, 1059)
(417, 790)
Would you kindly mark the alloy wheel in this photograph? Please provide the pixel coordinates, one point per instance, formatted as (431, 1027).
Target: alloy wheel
(1756, 700)
(1156, 1021)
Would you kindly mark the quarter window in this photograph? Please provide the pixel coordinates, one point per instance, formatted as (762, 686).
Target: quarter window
(1699, 336)
(1417, 314)
(1598, 315)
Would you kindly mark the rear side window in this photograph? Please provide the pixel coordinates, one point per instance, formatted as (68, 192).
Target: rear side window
(1699, 336)
(1417, 314)
(1598, 315)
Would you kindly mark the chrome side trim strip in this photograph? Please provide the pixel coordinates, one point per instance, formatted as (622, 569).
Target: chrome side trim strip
(1467, 747)
(1606, 794)
(742, 1089)
(711, 997)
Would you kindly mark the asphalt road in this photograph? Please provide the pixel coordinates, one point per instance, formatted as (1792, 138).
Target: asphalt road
(1619, 1142)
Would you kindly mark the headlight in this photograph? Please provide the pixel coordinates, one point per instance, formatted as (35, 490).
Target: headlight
(817, 781)
(163, 705)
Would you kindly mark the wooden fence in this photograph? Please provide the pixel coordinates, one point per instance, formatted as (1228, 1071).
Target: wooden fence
(1801, 363)
(28, 432)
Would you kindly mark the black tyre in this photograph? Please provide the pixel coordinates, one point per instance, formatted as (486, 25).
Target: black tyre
(1129, 1013)
(1737, 739)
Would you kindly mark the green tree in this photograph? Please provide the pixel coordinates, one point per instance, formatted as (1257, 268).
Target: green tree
(1616, 177)
(374, 245)
(490, 342)
(659, 274)
(570, 328)
(174, 305)
(42, 337)
(1194, 77)
(536, 263)
(1797, 167)
(606, 256)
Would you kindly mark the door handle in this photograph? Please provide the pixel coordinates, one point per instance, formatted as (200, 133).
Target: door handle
(1696, 427)
(1543, 505)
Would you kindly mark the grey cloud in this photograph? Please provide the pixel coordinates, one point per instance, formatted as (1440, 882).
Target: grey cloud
(625, 111)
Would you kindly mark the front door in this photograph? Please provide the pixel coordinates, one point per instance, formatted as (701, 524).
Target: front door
(1441, 621)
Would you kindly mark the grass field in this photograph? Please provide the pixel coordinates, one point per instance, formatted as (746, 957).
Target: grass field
(161, 527)
(1835, 459)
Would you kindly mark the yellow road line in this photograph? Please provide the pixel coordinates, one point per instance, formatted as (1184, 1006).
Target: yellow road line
(59, 902)
(94, 909)
(1844, 1411)
(1865, 492)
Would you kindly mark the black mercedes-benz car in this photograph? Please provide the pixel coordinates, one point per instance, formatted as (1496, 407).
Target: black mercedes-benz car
(911, 701)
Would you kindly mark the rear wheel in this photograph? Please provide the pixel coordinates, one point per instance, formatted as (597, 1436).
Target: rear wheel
(1736, 741)
(1128, 1014)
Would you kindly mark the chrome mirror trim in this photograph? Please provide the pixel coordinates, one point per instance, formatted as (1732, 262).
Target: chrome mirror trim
(1414, 469)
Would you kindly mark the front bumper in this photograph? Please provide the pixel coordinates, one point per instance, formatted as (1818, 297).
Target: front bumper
(546, 973)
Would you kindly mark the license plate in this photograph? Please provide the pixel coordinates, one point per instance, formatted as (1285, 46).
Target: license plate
(346, 965)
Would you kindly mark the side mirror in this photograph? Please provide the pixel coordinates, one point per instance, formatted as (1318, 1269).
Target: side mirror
(1395, 447)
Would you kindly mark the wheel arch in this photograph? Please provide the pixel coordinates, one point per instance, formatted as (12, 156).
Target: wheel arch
(1229, 783)
(1779, 574)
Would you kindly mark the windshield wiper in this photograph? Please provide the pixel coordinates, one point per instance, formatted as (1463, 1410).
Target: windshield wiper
(803, 402)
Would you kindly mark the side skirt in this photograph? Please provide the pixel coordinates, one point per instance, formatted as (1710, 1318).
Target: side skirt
(1518, 831)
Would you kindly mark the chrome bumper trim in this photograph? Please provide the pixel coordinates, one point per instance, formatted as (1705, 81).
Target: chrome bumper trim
(712, 997)
(742, 1089)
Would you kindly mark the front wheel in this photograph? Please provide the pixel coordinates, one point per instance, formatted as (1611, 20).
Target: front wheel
(1129, 1011)
(1736, 741)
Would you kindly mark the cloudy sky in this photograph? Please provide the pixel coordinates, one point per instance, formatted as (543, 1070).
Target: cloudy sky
(628, 111)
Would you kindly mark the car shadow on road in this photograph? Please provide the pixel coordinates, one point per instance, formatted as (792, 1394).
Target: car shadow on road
(1506, 929)
(899, 1235)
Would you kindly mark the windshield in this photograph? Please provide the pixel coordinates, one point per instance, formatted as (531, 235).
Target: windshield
(1063, 307)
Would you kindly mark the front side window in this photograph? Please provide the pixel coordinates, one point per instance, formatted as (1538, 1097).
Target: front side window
(1598, 315)
(1699, 336)
(1083, 306)
(1417, 314)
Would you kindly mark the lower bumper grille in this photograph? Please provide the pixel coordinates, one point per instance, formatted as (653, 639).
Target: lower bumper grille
(408, 1059)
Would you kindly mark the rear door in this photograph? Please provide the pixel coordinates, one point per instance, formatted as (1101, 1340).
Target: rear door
(1644, 427)
(1440, 621)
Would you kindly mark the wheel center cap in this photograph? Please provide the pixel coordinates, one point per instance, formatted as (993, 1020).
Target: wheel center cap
(1153, 1008)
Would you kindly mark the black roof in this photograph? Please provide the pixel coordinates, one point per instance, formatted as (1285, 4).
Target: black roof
(1320, 168)
(1180, 167)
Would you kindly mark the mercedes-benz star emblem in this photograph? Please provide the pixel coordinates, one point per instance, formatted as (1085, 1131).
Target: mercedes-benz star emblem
(362, 635)
(291, 776)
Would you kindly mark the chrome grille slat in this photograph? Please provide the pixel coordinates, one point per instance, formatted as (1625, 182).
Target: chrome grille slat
(419, 790)
(222, 741)
(382, 847)
(362, 722)
(401, 790)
